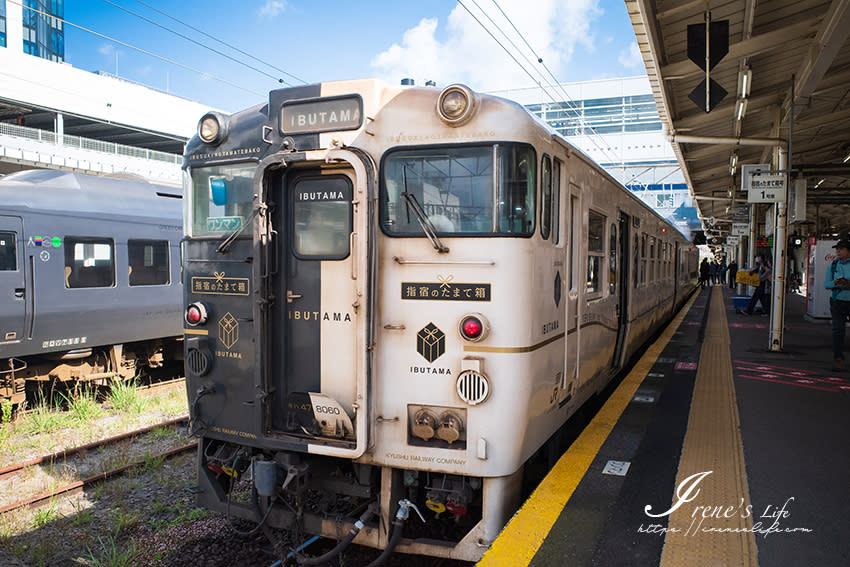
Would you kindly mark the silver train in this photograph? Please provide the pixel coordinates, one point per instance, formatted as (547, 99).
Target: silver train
(394, 297)
(90, 277)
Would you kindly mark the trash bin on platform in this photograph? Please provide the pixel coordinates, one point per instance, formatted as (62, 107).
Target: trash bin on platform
(741, 302)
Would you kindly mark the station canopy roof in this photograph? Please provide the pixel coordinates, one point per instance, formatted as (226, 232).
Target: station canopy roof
(781, 47)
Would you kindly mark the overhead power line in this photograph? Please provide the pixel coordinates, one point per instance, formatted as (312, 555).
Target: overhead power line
(212, 37)
(140, 50)
(198, 43)
(542, 78)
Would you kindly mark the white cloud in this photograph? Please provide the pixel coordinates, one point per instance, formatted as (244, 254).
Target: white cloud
(106, 49)
(468, 54)
(632, 58)
(272, 8)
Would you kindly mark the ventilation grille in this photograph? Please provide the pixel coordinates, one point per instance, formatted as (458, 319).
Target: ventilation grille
(197, 362)
(472, 387)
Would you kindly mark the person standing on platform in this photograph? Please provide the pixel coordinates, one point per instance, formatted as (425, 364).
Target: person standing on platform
(762, 292)
(712, 272)
(838, 280)
(721, 272)
(703, 272)
(733, 271)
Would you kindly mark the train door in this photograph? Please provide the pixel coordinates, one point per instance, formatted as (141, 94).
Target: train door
(13, 302)
(314, 331)
(620, 260)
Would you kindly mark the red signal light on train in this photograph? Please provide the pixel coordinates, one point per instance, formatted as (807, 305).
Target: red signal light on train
(473, 327)
(196, 314)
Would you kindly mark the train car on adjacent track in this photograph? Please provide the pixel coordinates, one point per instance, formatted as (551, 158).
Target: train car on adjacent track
(90, 269)
(394, 297)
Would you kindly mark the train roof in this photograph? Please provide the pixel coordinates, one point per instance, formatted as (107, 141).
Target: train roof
(69, 192)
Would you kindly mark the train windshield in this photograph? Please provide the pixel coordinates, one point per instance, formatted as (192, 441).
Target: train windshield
(221, 198)
(463, 190)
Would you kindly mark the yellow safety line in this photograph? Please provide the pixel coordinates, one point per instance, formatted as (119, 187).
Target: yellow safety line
(524, 534)
(714, 526)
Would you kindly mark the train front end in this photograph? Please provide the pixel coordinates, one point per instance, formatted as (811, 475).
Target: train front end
(332, 317)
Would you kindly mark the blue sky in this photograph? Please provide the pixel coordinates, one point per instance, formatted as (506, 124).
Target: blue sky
(316, 41)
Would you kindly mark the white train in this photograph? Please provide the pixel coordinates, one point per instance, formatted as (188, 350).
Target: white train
(394, 297)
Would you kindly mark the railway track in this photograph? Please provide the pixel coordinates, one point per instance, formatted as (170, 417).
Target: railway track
(70, 471)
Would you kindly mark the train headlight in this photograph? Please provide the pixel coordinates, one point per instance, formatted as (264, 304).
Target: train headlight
(196, 314)
(212, 128)
(473, 327)
(456, 105)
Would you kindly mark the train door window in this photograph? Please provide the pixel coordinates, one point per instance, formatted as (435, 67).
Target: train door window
(8, 255)
(556, 202)
(636, 263)
(546, 197)
(89, 262)
(595, 251)
(642, 259)
(321, 211)
(612, 259)
(148, 262)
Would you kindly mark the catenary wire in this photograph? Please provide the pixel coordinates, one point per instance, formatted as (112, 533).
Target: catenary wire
(536, 81)
(198, 43)
(133, 47)
(202, 32)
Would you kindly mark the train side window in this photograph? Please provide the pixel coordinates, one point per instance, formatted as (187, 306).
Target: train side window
(652, 259)
(643, 258)
(612, 259)
(556, 202)
(148, 261)
(595, 251)
(546, 197)
(8, 255)
(89, 262)
(636, 263)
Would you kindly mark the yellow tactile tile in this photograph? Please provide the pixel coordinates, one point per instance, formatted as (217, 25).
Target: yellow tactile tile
(713, 525)
(524, 534)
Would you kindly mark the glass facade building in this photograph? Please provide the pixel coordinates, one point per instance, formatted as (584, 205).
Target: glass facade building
(34, 27)
(44, 34)
(615, 122)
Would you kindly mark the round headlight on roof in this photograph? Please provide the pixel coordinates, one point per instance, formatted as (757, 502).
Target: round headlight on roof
(456, 105)
(212, 128)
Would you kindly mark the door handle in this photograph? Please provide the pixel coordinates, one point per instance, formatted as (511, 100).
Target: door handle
(290, 296)
(19, 292)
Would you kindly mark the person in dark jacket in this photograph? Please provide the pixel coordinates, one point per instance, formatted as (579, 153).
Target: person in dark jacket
(703, 272)
(733, 271)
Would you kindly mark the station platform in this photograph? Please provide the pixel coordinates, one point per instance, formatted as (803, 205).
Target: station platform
(712, 451)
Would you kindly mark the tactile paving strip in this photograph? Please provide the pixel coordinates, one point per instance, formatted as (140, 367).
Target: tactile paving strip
(713, 525)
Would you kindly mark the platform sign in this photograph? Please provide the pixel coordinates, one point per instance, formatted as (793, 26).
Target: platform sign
(747, 172)
(732, 240)
(740, 229)
(767, 188)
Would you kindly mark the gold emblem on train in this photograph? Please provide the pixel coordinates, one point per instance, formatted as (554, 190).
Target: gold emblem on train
(228, 330)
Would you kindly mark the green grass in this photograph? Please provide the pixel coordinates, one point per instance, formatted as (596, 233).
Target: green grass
(45, 418)
(45, 515)
(110, 554)
(83, 406)
(123, 396)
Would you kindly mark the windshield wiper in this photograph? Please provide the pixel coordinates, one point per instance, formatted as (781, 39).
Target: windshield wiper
(424, 222)
(228, 240)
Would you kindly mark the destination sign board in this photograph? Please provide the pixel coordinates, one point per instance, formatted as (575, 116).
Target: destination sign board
(740, 229)
(767, 188)
(321, 115)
